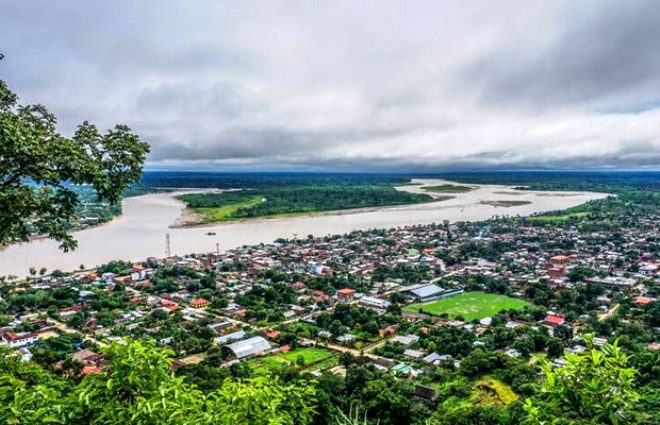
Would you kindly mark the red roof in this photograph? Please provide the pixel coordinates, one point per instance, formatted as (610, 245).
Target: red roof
(555, 320)
(643, 300)
(198, 302)
(559, 258)
(90, 370)
(12, 336)
(346, 291)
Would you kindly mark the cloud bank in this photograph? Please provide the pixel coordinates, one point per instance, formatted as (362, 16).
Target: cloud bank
(367, 85)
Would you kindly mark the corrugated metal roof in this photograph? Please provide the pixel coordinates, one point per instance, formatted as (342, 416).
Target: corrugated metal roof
(230, 337)
(427, 290)
(249, 347)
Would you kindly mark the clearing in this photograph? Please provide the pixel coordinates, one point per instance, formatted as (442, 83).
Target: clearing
(311, 356)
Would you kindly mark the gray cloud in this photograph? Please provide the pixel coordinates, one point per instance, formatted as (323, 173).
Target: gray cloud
(424, 85)
(606, 53)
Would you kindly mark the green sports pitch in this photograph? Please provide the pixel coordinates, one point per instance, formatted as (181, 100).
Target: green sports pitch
(469, 305)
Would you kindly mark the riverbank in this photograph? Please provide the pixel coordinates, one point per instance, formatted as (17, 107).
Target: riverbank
(141, 230)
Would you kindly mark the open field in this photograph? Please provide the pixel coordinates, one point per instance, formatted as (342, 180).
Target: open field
(224, 213)
(470, 305)
(557, 218)
(311, 356)
(448, 188)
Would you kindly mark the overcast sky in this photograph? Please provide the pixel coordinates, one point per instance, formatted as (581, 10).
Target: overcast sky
(349, 85)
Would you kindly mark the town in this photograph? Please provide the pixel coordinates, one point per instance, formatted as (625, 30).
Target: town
(409, 302)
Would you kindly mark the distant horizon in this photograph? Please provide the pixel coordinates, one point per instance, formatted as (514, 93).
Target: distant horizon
(403, 172)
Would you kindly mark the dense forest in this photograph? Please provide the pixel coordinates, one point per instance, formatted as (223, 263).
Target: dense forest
(273, 201)
(219, 180)
(595, 181)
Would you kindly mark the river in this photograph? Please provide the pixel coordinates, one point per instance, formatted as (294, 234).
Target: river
(140, 231)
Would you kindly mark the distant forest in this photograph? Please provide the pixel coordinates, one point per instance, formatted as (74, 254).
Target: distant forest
(597, 181)
(604, 181)
(187, 179)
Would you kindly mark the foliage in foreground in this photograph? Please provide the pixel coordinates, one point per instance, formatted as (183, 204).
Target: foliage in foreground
(138, 387)
(594, 387)
(38, 164)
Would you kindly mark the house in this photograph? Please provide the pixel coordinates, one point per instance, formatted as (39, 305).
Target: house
(554, 320)
(643, 300)
(414, 354)
(425, 394)
(559, 259)
(406, 370)
(171, 306)
(87, 357)
(432, 358)
(345, 294)
(346, 338)
(249, 347)
(198, 303)
(556, 272)
(373, 302)
(405, 340)
(18, 340)
(90, 370)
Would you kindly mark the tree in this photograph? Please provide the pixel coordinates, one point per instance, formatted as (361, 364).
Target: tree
(555, 348)
(38, 165)
(594, 387)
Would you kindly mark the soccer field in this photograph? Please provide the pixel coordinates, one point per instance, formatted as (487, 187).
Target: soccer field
(469, 305)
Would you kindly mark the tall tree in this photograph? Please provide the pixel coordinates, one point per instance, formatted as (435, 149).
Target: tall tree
(38, 165)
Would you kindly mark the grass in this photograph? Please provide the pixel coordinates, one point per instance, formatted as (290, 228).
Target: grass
(469, 305)
(557, 218)
(448, 188)
(313, 357)
(492, 392)
(310, 354)
(224, 213)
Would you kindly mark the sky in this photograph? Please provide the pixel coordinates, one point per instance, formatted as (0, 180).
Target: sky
(349, 85)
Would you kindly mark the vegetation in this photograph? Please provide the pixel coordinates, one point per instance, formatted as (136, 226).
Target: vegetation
(448, 188)
(594, 387)
(277, 201)
(37, 165)
(138, 387)
(301, 358)
(469, 305)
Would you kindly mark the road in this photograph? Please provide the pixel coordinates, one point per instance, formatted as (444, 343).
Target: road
(609, 313)
(63, 328)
